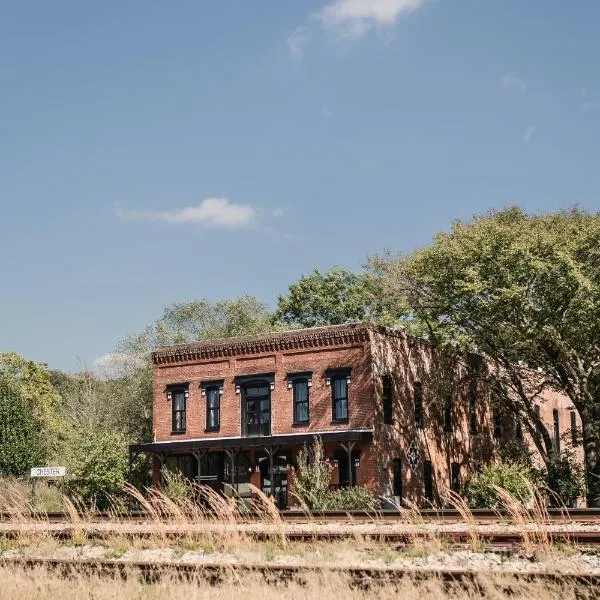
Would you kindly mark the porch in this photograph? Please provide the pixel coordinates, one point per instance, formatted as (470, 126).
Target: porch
(230, 465)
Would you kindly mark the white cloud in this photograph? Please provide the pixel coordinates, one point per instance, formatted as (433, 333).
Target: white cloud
(211, 211)
(511, 81)
(297, 41)
(528, 134)
(277, 213)
(117, 364)
(352, 19)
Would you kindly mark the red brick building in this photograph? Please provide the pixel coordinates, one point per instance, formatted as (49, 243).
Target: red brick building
(394, 415)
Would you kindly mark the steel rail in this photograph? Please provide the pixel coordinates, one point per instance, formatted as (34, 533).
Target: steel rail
(433, 515)
(215, 573)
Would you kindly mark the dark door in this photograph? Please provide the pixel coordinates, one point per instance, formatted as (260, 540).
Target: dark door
(257, 410)
(278, 487)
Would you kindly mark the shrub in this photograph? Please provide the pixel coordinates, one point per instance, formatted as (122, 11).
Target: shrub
(313, 476)
(177, 487)
(354, 498)
(98, 468)
(512, 477)
(564, 480)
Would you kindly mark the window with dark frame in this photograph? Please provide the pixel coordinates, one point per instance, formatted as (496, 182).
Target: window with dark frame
(300, 393)
(213, 408)
(428, 480)
(178, 395)
(556, 424)
(418, 405)
(397, 477)
(455, 477)
(339, 396)
(574, 432)
(497, 421)
(518, 428)
(473, 428)
(387, 398)
(448, 412)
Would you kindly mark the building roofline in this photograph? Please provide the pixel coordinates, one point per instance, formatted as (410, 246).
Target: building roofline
(314, 337)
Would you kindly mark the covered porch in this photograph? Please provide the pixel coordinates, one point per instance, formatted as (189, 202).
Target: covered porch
(230, 465)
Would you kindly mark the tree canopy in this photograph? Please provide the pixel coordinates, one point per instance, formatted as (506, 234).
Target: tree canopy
(523, 291)
(333, 298)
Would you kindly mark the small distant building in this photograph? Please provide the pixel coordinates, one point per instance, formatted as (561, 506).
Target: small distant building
(394, 415)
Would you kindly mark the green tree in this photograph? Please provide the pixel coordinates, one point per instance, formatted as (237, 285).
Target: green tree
(21, 437)
(523, 291)
(34, 382)
(333, 298)
(97, 467)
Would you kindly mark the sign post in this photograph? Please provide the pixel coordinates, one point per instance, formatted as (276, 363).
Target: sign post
(47, 473)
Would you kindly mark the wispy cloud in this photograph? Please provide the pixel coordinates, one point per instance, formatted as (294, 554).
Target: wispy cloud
(296, 42)
(528, 134)
(211, 211)
(277, 212)
(512, 81)
(117, 364)
(353, 19)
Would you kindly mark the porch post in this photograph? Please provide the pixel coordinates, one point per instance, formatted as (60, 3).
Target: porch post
(348, 447)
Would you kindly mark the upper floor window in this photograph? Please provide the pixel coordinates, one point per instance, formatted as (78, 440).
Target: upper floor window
(339, 381)
(300, 392)
(419, 405)
(178, 395)
(448, 412)
(574, 432)
(213, 407)
(387, 399)
(473, 428)
(556, 424)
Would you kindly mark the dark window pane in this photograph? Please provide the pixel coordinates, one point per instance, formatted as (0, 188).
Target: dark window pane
(448, 412)
(397, 477)
(178, 401)
(418, 405)
(473, 407)
(386, 383)
(340, 387)
(574, 433)
(556, 431)
(428, 480)
(300, 401)
(455, 477)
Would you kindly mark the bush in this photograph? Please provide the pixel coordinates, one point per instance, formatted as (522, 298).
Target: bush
(354, 498)
(177, 487)
(313, 477)
(98, 468)
(515, 478)
(564, 480)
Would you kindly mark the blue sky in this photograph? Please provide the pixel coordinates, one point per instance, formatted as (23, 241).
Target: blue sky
(157, 152)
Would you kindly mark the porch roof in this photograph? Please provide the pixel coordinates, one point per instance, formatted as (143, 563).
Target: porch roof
(347, 435)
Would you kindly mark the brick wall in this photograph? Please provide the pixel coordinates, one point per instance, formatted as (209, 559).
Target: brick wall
(317, 360)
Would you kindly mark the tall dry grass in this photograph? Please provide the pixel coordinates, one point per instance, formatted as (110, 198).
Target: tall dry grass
(41, 584)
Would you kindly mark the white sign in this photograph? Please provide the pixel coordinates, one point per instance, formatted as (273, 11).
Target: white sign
(48, 471)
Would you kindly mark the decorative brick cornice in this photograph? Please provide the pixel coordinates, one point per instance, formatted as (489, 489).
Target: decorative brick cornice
(316, 337)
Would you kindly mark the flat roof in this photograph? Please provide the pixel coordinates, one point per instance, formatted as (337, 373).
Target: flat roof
(270, 341)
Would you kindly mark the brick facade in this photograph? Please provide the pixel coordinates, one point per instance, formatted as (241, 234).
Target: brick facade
(367, 353)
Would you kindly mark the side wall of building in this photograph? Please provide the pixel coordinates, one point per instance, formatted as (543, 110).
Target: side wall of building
(411, 362)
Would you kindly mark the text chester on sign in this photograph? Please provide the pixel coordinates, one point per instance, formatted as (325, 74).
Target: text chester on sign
(48, 471)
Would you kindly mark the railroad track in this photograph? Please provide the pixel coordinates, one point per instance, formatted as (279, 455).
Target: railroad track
(506, 541)
(579, 515)
(215, 573)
